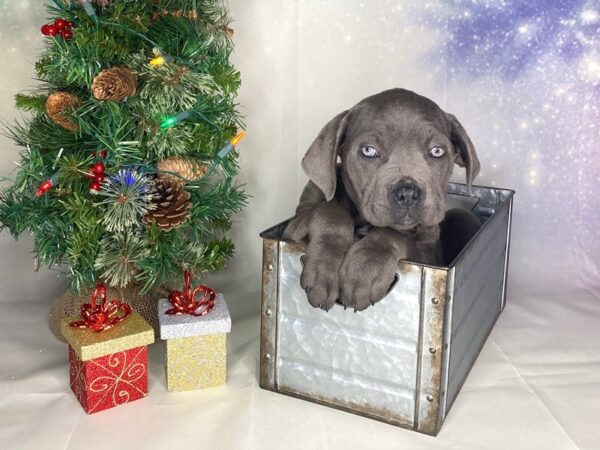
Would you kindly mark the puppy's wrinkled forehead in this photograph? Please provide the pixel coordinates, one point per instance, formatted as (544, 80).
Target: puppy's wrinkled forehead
(406, 114)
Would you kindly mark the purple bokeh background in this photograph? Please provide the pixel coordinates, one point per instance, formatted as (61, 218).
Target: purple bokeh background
(536, 68)
(512, 35)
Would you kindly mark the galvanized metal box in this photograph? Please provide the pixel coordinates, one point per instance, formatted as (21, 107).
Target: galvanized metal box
(404, 360)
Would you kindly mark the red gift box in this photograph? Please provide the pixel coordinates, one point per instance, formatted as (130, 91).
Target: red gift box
(110, 380)
(108, 356)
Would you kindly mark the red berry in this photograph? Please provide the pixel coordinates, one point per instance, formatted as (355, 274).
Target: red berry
(100, 177)
(95, 186)
(98, 168)
(52, 31)
(67, 34)
(60, 23)
(103, 154)
(44, 30)
(69, 25)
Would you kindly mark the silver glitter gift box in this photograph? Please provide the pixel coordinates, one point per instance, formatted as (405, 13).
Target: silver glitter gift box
(196, 347)
(404, 360)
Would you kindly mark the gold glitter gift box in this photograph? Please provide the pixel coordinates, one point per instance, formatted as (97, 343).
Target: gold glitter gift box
(109, 368)
(196, 347)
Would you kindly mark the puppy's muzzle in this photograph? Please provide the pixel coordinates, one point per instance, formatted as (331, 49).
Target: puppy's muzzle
(407, 194)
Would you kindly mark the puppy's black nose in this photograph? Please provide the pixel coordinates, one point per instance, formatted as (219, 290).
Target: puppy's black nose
(407, 193)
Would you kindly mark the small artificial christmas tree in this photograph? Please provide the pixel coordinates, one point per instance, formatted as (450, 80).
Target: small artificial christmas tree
(127, 175)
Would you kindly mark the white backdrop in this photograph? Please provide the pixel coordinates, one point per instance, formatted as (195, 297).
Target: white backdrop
(524, 79)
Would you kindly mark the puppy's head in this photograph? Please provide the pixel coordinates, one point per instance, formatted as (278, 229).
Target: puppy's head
(397, 150)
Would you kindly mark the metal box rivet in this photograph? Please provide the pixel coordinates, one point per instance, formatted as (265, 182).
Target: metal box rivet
(268, 312)
(432, 350)
(267, 356)
(429, 398)
(270, 267)
(435, 301)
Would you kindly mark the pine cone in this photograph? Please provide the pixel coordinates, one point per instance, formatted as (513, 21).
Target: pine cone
(187, 168)
(116, 84)
(171, 205)
(56, 105)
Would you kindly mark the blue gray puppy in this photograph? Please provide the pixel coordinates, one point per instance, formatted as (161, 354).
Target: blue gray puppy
(383, 167)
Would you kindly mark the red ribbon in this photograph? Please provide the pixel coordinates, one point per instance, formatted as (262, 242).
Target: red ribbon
(103, 316)
(185, 302)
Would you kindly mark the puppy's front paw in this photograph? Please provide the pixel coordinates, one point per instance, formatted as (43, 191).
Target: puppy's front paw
(321, 273)
(366, 275)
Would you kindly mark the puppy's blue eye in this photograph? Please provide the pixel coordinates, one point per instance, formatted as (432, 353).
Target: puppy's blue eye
(437, 152)
(369, 152)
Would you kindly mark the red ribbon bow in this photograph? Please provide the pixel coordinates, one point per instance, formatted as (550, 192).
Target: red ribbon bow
(185, 302)
(103, 316)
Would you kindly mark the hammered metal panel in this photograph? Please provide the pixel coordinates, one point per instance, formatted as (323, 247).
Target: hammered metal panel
(367, 360)
(477, 298)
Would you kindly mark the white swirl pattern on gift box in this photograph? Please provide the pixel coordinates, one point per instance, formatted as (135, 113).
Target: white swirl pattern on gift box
(118, 383)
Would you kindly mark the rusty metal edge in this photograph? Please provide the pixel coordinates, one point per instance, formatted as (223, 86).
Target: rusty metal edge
(510, 209)
(359, 410)
(447, 342)
(293, 247)
(429, 389)
(268, 316)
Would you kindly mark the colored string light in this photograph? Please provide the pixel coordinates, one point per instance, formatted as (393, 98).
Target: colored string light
(238, 138)
(161, 60)
(171, 121)
(230, 146)
(46, 185)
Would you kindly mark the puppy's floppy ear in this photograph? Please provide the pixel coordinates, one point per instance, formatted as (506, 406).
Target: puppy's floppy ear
(465, 150)
(319, 163)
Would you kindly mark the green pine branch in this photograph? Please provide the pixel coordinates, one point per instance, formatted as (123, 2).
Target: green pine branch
(31, 103)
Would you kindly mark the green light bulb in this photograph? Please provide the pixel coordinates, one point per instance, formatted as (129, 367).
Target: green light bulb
(171, 121)
(168, 122)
